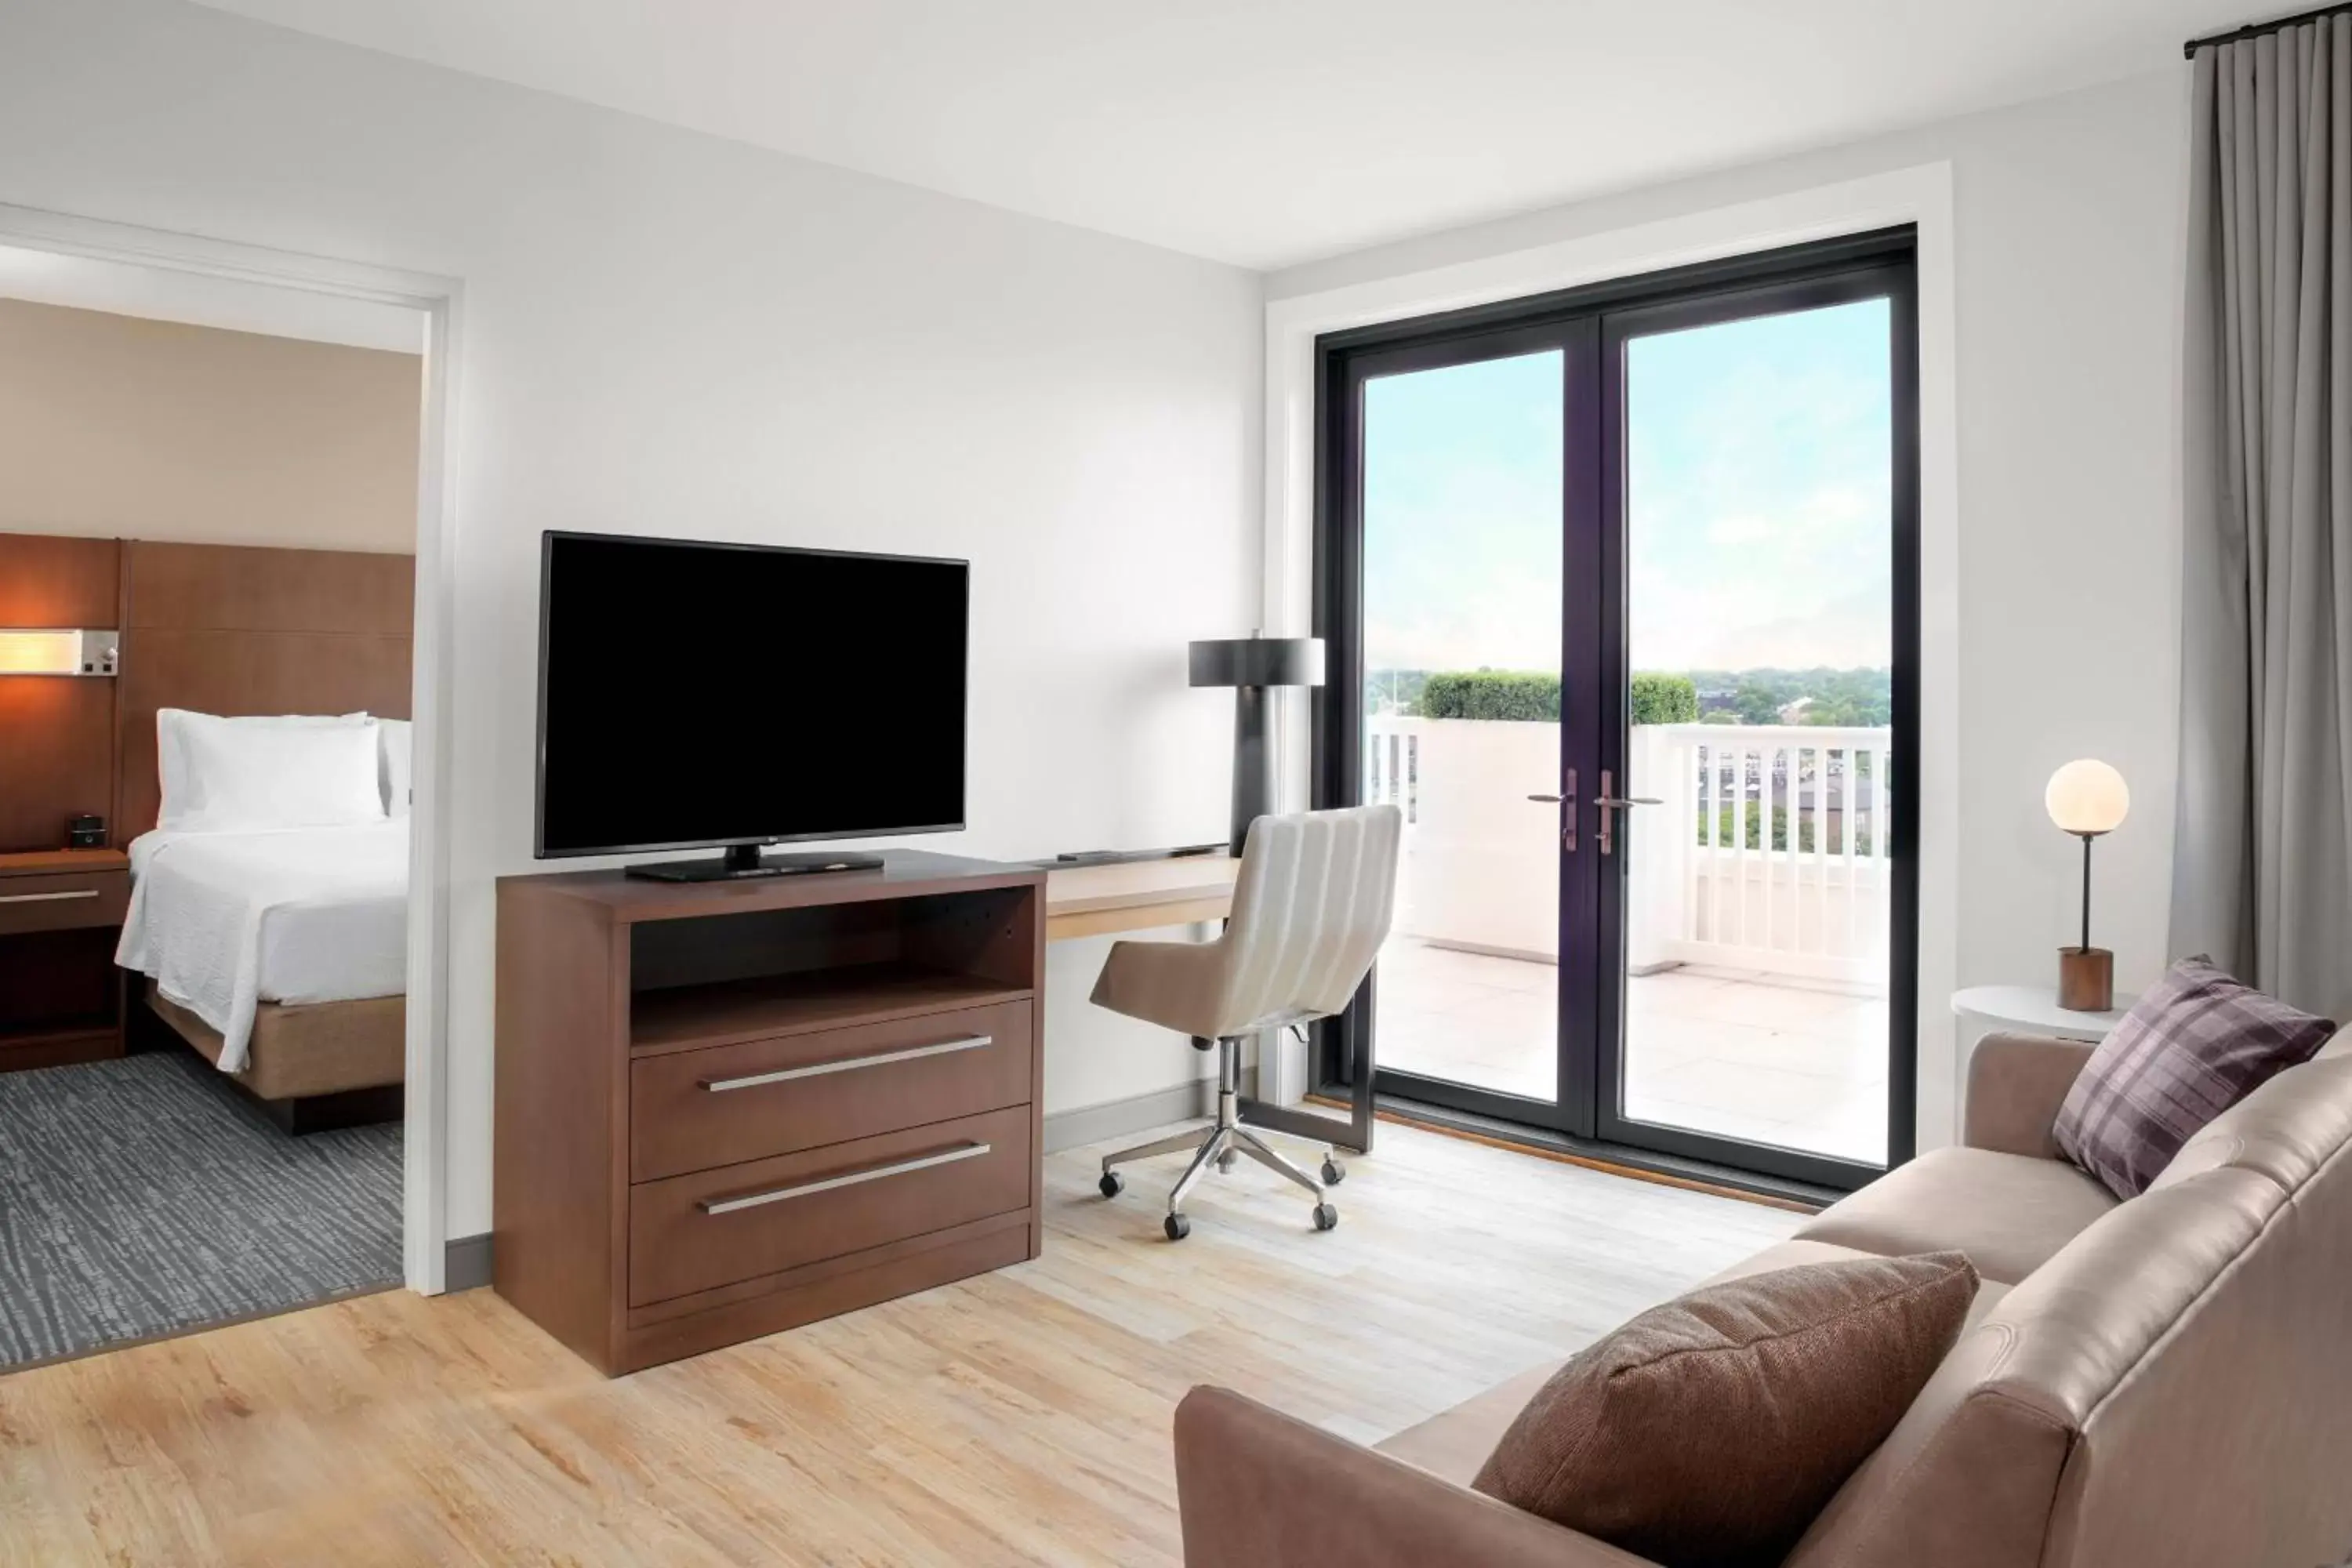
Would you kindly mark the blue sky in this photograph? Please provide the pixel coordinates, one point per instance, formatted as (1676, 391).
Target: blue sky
(1758, 490)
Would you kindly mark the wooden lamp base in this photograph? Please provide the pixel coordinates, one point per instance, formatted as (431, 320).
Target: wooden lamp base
(2087, 979)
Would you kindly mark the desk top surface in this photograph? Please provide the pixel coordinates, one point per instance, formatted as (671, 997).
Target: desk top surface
(1139, 884)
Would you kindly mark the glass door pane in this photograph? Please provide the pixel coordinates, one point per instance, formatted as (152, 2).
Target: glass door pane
(1461, 506)
(1759, 583)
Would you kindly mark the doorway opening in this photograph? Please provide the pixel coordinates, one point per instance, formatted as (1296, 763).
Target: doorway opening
(231, 463)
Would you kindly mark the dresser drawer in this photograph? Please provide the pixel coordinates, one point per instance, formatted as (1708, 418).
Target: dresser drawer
(695, 1110)
(63, 900)
(715, 1227)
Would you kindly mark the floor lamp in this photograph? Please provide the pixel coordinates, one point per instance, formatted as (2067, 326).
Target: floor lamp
(1253, 665)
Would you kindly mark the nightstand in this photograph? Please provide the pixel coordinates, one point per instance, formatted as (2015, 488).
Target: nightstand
(61, 998)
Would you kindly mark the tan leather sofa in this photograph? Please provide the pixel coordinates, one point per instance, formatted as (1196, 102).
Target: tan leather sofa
(2158, 1383)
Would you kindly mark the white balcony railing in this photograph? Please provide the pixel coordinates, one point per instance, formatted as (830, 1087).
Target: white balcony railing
(1769, 849)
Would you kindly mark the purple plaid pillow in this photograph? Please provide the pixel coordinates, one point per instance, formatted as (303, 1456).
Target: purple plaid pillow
(2194, 1046)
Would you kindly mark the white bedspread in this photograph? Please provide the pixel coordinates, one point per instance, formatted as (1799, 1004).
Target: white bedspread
(224, 920)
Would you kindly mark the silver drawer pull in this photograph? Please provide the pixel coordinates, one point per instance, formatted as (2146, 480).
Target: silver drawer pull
(832, 1184)
(47, 898)
(849, 1064)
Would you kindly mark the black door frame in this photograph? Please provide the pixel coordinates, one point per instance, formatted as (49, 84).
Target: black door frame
(1589, 325)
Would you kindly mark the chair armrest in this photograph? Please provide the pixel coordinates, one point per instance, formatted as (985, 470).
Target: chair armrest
(1261, 1491)
(2016, 1084)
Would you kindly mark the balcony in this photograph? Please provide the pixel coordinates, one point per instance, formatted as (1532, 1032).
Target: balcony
(1756, 920)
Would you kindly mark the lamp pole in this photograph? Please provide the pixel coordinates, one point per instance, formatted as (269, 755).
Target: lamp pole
(2086, 838)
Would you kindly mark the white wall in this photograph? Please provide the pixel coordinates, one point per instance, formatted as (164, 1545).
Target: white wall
(666, 332)
(2069, 227)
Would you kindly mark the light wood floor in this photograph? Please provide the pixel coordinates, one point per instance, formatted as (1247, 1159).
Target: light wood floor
(1021, 1417)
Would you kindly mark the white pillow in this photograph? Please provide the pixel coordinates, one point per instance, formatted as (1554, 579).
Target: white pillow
(398, 781)
(181, 799)
(245, 776)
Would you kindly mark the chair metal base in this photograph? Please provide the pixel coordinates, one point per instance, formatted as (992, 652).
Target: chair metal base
(1224, 1139)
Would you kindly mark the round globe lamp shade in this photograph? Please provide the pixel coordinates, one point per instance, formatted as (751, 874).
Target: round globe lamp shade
(2087, 798)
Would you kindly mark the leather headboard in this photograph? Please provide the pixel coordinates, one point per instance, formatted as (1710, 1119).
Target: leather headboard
(239, 630)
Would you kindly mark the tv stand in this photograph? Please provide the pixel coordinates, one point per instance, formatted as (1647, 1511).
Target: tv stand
(742, 860)
(727, 1111)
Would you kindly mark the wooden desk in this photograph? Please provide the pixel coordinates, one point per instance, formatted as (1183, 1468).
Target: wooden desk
(1138, 895)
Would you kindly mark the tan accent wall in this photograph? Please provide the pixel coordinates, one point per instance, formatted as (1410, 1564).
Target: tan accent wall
(120, 426)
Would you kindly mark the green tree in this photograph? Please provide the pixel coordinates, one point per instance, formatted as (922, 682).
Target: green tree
(1524, 696)
(1665, 699)
(1758, 703)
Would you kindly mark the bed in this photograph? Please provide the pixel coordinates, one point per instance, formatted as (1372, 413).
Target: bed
(282, 956)
(268, 914)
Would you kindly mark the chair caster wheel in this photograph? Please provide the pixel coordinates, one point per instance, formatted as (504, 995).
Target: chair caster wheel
(1226, 1163)
(1177, 1227)
(1334, 1172)
(1326, 1216)
(1112, 1184)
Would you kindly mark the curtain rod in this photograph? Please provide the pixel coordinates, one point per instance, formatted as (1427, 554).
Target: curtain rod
(2256, 29)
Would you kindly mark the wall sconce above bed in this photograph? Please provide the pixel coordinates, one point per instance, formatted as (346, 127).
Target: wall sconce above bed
(54, 652)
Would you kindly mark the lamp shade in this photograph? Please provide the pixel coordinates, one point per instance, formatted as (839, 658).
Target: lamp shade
(2087, 798)
(1258, 661)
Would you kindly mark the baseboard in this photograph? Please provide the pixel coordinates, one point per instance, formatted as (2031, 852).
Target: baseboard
(466, 1263)
(1118, 1118)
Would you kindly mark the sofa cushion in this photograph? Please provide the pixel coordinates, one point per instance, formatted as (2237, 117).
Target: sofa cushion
(1455, 1443)
(2010, 1213)
(1708, 1432)
(1790, 1254)
(2194, 1046)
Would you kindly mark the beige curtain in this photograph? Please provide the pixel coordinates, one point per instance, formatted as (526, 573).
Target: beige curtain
(2263, 864)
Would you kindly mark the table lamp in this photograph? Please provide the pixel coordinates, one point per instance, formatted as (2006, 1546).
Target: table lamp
(1252, 665)
(2086, 798)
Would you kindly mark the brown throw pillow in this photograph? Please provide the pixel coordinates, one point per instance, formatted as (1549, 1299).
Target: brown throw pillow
(1708, 1432)
(2194, 1046)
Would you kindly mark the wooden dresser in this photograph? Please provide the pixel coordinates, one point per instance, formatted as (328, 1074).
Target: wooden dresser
(727, 1109)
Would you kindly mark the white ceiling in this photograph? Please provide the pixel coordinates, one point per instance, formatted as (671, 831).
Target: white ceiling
(200, 299)
(1271, 132)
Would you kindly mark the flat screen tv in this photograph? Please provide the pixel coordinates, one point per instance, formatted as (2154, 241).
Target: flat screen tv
(697, 696)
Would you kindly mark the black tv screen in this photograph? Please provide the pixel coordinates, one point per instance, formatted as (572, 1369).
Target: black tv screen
(693, 695)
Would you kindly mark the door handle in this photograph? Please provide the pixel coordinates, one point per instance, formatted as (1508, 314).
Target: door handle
(1566, 802)
(1610, 804)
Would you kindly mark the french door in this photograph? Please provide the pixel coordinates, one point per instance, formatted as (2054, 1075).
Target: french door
(1620, 593)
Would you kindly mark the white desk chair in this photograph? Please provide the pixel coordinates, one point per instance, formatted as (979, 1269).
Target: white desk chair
(1311, 908)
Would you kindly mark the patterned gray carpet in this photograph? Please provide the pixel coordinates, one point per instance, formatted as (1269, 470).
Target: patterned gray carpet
(143, 1196)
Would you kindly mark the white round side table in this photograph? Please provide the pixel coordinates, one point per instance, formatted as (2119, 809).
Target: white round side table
(2034, 1010)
